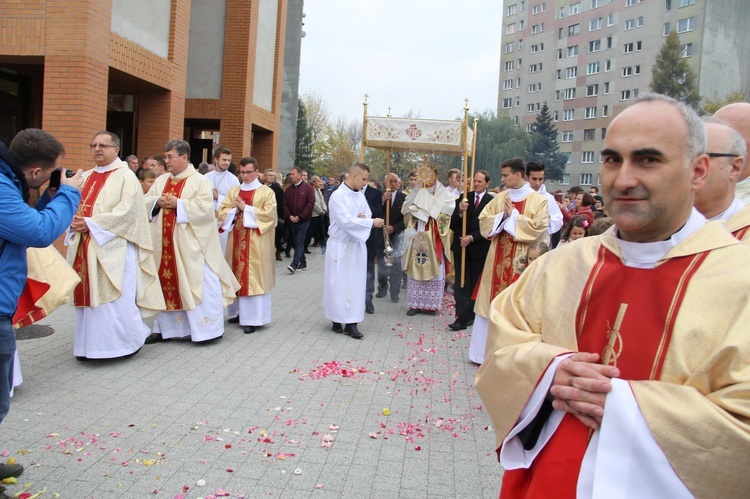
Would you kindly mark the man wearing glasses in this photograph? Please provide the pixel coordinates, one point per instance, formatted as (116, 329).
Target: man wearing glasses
(109, 246)
(195, 279)
(248, 213)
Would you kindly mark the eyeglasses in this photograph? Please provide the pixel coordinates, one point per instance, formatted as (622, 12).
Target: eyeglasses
(102, 146)
(247, 172)
(721, 155)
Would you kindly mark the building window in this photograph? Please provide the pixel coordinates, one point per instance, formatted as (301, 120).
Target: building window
(595, 24)
(557, 95)
(590, 112)
(625, 95)
(589, 134)
(537, 47)
(516, 120)
(520, 44)
(607, 65)
(574, 29)
(667, 4)
(635, 93)
(519, 63)
(592, 68)
(509, 66)
(684, 25)
(666, 30)
(586, 178)
(685, 3)
(556, 116)
(536, 9)
(518, 101)
(606, 87)
(510, 29)
(566, 178)
(537, 28)
(592, 90)
(631, 47)
(535, 87)
(512, 10)
(604, 135)
(509, 47)
(596, 3)
(574, 8)
(629, 3)
(627, 71)
(605, 111)
(609, 42)
(610, 20)
(587, 157)
(507, 102)
(629, 24)
(569, 114)
(518, 82)
(637, 69)
(595, 45)
(559, 54)
(508, 84)
(521, 24)
(687, 50)
(639, 22)
(573, 51)
(559, 74)
(567, 136)
(571, 72)
(529, 127)
(529, 108)
(560, 34)
(561, 14)
(569, 94)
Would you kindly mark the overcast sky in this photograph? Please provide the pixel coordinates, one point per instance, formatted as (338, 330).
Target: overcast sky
(420, 55)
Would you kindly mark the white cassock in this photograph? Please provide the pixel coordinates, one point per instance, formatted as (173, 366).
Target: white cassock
(222, 182)
(555, 214)
(345, 276)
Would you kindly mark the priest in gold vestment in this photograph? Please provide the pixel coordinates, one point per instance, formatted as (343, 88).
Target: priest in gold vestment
(196, 280)
(513, 220)
(619, 365)
(109, 246)
(248, 214)
(427, 257)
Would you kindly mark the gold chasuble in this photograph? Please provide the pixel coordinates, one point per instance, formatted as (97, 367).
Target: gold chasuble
(181, 249)
(500, 268)
(739, 224)
(422, 258)
(114, 201)
(251, 251)
(676, 332)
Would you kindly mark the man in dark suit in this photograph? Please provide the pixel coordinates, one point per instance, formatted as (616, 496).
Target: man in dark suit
(299, 199)
(394, 198)
(375, 241)
(476, 248)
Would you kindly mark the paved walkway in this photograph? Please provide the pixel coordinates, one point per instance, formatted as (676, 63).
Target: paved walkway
(293, 410)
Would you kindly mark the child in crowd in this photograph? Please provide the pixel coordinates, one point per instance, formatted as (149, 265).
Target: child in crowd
(600, 226)
(534, 251)
(147, 177)
(577, 228)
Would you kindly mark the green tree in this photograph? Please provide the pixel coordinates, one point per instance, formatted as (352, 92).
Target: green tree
(303, 156)
(710, 106)
(671, 75)
(544, 146)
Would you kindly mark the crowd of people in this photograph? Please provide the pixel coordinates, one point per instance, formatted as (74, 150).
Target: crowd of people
(566, 312)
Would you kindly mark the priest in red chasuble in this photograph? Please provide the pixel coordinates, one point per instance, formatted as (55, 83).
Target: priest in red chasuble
(109, 246)
(619, 365)
(514, 219)
(196, 280)
(248, 214)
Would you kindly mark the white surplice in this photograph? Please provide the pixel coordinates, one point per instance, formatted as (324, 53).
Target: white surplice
(345, 275)
(222, 182)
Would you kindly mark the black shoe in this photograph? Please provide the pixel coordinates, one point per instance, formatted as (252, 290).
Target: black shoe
(394, 299)
(153, 338)
(412, 312)
(248, 329)
(291, 268)
(470, 323)
(457, 326)
(351, 330)
(308, 252)
(302, 266)
(337, 327)
(234, 320)
(287, 254)
(403, 286)
(381, 293)
(80, 358)
(10, 470)
(370, 308)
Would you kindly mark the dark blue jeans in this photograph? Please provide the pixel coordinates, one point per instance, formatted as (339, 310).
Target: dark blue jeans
(299, 231)
(7, 350)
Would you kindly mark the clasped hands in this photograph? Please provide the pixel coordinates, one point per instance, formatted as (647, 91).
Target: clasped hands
(79, 224)
(580, 387)
(167, 201)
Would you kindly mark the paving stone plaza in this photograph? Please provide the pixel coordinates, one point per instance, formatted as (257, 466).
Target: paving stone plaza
(293, 410)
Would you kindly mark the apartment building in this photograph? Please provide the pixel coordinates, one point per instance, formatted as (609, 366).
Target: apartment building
(588, 59)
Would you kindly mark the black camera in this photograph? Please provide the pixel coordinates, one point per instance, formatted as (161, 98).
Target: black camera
(54, 179)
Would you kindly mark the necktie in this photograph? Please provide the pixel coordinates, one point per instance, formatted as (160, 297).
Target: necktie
(476, 201)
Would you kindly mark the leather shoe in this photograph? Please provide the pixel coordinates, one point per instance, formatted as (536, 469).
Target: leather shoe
(370, 308)
(10, 470)
(394, 299)
(153, 338)
(381, 293)
(412, 312)
(351, 330)
(248, 329)
(337, 327)
(470, 323)
(457, 326)
(234, 320)
(278, 256)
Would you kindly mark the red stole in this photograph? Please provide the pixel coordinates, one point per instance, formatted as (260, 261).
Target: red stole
(504, 272)
(91, 190)
(627, 315)
(242, 247)
(26, 311)
(170, 283)
(741, 233)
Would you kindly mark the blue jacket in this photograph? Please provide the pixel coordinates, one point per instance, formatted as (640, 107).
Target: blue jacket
(22, 226)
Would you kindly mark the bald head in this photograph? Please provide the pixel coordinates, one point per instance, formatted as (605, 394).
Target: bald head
(727, 151)
(737, 115)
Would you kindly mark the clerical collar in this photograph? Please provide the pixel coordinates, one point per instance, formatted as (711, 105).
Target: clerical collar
(251, 186)
(189, 170)
(520, 193)
(645, 255)
(732, 210)
(102, 169)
